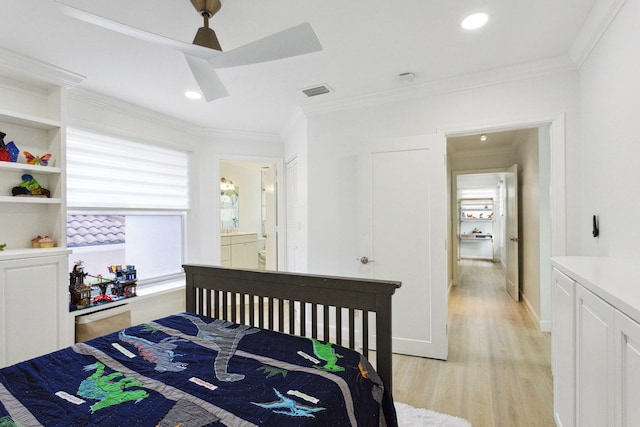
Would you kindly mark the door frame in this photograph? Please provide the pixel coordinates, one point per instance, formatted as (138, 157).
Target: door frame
(280, 200)
(557, 207)
(453, 211)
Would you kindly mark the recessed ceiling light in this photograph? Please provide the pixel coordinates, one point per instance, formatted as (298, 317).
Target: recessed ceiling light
(191, 94)
(474, 21)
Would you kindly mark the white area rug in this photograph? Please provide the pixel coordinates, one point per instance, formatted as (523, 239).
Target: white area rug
(408, 416)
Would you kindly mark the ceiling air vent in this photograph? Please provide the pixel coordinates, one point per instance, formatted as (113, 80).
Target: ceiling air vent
(316, 90)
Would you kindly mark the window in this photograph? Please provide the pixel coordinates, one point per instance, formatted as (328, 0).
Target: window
(127, 204)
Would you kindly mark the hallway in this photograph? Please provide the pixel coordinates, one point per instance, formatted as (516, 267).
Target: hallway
(499, 368)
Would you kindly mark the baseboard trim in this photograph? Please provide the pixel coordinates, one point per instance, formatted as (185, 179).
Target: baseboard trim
(543, 325)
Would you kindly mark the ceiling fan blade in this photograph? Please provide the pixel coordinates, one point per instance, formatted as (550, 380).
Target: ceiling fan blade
(187, 48)
(207, 78)
(295, 41)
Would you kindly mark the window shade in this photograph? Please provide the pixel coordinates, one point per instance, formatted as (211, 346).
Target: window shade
(108, 172)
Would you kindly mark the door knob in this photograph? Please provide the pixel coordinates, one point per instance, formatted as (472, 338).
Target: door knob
(365, 260)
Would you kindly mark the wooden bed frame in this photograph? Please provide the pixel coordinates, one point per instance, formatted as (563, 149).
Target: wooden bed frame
(274, 300)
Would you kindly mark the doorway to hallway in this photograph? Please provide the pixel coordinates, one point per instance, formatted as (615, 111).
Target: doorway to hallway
(495, 152)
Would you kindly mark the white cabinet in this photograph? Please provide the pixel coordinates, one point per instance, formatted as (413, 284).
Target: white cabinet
(33, 305)
(596, 352)
(239, 250)
(627, 371)
(563, 348)
(594, 360)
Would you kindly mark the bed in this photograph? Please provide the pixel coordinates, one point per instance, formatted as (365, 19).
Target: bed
(252, 348)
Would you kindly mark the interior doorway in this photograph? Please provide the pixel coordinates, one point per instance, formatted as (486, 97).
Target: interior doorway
(249, 206)
(490, 154)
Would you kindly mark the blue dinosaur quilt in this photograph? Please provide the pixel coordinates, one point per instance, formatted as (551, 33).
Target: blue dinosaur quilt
(192, 370)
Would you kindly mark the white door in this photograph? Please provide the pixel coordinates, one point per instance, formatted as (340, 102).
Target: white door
(402, 202)
(512, 239)
(292, 214)
(270, 213)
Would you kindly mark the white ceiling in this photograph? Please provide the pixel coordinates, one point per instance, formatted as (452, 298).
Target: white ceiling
(365, 45)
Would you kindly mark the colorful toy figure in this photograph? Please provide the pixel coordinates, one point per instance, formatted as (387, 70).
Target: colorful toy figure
(30, 187)
(80, 293)
(8, 152)
(37, 160)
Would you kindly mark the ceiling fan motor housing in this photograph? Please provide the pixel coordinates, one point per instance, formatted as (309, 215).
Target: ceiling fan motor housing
(206, 36)
(209, 7)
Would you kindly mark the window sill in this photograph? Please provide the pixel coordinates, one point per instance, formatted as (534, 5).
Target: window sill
(147, 291)
(160, 288)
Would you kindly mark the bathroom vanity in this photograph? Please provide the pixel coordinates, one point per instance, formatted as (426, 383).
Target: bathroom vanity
(239, 250)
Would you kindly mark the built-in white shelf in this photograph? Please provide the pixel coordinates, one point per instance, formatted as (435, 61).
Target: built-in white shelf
(27, 168)
(30, 199)
(27, 120)
(21, 253)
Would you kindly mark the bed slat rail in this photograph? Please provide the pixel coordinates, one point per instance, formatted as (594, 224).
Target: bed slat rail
(335, 309)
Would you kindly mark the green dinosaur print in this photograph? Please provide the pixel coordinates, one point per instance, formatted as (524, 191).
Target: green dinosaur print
(149, 328)
(109, 393)
(7, 421)
(272, 371)
(326, 352)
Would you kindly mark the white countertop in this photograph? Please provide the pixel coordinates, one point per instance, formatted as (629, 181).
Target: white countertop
(10, 254)
(614, 281)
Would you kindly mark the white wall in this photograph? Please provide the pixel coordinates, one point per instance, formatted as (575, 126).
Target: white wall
(295, 138)
(529, 223)
(335, 139)
(610, 90)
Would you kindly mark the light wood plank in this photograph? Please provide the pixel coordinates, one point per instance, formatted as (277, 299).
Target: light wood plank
(499, 367)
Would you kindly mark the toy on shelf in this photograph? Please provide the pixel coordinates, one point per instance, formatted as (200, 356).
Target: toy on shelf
(30, 187)
(9, 151)
(126, 280)
(103, 297)
(79, 291)
(103, 290)
(37, 160)
(42, 242)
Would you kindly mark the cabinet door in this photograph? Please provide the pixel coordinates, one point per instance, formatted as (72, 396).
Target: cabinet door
(244, 255)
(627, 371)
(32, 307)
(563, 348)
(594, 361)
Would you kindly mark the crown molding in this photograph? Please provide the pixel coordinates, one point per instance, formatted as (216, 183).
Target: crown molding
(118, 106)
(600, 18)
(492, 77)
(40, 73)
(121, 107)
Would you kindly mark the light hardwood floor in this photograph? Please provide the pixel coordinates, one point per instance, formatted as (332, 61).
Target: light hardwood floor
(499, 367)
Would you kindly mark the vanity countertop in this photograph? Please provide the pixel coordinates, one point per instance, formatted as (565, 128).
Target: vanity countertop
(238, 233)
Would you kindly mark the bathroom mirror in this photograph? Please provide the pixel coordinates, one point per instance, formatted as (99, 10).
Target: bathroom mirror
(229, 208)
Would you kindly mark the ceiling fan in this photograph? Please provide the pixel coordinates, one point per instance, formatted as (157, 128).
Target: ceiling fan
(205, 55)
